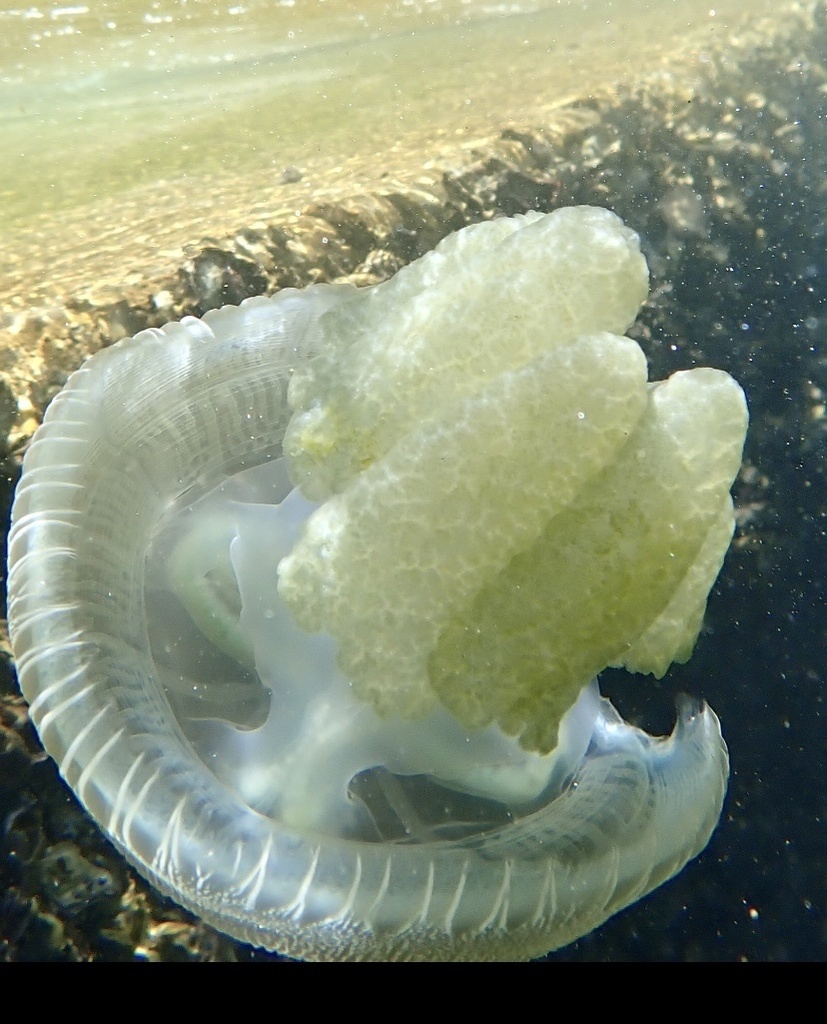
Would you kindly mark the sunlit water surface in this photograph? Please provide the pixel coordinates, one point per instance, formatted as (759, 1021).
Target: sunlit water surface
(195, 101)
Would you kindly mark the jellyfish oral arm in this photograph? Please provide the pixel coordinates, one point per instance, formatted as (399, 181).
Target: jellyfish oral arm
(509, 506)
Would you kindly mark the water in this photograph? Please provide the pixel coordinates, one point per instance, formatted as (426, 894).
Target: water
(133, 130)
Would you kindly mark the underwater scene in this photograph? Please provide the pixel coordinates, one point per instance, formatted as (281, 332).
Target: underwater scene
(528, 266)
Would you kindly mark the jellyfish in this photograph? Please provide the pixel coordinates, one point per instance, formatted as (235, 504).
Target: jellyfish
(309, 598)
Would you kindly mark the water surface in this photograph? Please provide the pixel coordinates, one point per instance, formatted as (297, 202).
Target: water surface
(116, 110)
